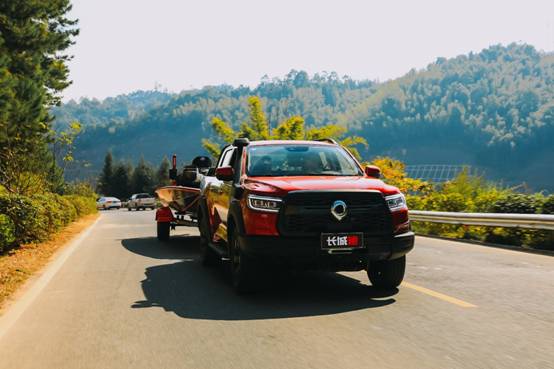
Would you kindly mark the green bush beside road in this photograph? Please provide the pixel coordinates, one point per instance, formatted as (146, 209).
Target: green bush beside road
(30, 219)
(474, 195)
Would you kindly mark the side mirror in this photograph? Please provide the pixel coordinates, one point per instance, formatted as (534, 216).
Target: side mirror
(373, 171)
(225, 173)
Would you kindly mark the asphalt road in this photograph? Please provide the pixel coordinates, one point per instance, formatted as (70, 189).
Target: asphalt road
(120, 299)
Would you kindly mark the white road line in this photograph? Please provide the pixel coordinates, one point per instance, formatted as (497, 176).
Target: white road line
(14, 311)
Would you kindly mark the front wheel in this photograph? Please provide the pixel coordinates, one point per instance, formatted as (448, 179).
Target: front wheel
(243, 268)
(387, 274)
(163, 231)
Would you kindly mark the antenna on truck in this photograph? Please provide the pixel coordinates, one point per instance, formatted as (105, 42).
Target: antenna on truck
(173, 170)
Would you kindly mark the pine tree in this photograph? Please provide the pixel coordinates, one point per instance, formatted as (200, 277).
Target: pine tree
(162, 175)
(122, 180)
(33, 71)
(105, 182)
(143, 177)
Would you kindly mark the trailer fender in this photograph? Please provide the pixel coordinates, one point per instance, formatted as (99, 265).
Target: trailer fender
(164, 215)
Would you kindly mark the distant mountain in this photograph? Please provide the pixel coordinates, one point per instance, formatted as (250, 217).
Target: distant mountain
(493, 110)
(111, 111)
(179, 125)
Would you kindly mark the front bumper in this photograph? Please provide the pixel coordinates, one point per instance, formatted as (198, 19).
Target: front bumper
(307, 253)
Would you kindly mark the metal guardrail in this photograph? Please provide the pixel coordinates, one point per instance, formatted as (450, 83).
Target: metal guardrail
(533, 221)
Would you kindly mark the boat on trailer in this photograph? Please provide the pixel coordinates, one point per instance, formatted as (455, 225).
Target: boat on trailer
(180, 199)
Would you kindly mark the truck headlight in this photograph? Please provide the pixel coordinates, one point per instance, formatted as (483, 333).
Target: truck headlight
(396, 202)
(263, 203)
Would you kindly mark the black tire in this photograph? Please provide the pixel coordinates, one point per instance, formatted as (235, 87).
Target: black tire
(163, 231)
(128, 208)
(387, 274)
(208, 256)
(244, 270)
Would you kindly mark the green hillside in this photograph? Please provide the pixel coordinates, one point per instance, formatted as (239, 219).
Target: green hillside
(493, 110)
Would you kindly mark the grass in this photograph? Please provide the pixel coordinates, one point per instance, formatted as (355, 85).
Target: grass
(18, 265)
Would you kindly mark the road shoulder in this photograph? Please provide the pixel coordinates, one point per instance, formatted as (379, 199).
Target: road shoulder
(21, 268)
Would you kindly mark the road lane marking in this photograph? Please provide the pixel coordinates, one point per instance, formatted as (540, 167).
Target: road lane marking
(438, 295)
(13, 312)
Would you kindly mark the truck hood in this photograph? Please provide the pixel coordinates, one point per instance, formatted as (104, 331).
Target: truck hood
(283, 185)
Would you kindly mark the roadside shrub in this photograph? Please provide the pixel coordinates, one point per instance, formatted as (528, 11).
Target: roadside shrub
(543, 239)
(49, 216)
(83, 205)
(485, 200)
(7, 232)
(520, 204)
(517, 203)
(548, 205)
(473, 194)
(83, 189)
(448, 202)
(26, 219)
(69, 211)
(415, 202)
(24, 216)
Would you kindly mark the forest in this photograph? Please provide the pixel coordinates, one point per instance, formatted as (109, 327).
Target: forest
(492, 110)
(36, 201)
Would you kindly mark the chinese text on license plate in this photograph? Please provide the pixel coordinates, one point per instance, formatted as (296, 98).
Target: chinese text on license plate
(341, 240)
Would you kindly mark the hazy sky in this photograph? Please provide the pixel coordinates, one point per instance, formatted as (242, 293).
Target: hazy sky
(125, 45)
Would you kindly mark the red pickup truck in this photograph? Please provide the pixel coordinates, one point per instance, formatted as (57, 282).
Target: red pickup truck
(304, 205)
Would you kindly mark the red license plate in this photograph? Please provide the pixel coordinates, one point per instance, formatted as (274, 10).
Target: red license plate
(341, 240)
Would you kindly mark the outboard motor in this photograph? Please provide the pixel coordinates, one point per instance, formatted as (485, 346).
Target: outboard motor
(203, 163)
(194, 172)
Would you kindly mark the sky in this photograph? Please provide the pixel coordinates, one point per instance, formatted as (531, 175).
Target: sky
(128, 45)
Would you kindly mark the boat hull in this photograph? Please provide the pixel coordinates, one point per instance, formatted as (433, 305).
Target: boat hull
(183, 200)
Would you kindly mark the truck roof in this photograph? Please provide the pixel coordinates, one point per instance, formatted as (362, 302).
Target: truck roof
(289, 142)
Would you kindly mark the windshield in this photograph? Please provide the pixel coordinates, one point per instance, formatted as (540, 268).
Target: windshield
(300, 160)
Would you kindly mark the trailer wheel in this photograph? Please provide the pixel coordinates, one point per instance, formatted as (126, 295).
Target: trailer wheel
(163, 231)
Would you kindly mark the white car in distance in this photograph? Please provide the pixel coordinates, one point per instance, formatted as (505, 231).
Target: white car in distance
(141, 201)
(107, 203)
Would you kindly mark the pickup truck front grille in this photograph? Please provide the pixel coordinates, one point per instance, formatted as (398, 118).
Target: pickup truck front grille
(308, 213)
